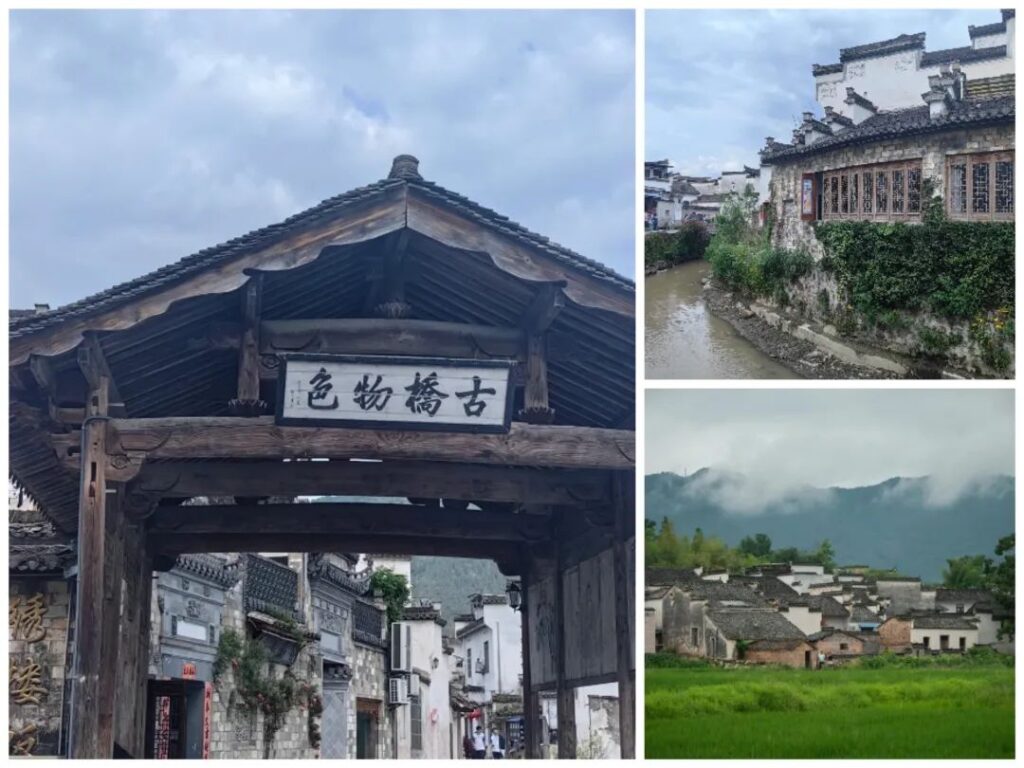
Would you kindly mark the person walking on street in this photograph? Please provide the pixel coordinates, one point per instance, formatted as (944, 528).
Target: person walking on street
(479, 744)
(497, 748)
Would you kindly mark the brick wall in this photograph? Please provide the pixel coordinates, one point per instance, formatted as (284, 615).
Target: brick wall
(369, 682)
(38, 630)
(787, 657)
(237, 733)
(895, 633)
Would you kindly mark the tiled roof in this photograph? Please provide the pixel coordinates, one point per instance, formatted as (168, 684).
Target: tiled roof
(991, 87)
(882, 47)
(220, 254)
(998, 28)
(860, 614)
(209, 567)
(423, 613)
(829, 606)
(963, 55)
(471, 628)
(320, 567)
(826, 69)
(943, 621)
(658, 577)
(29, 524)
(963, 595)
(754, 624)
(904, 122)
(40, 558)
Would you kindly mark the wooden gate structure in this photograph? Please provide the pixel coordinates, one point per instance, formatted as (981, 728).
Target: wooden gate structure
(129, 402)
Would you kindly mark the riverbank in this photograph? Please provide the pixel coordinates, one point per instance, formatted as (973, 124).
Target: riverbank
(685, 340)
(804, 358)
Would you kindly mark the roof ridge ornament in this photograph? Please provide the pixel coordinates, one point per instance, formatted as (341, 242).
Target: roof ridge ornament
(405, 167)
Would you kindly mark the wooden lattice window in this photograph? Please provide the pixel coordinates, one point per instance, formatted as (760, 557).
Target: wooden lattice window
(884, 192)
(980, 187)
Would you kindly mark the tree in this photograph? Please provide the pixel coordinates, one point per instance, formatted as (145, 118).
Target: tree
(826, 555)
(758, 545)
(393, 589)
(967, 572)
(1002, 576)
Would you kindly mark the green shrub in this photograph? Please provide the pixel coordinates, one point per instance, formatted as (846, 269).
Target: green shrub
(688, 243)
(935, 342)
(666, 660)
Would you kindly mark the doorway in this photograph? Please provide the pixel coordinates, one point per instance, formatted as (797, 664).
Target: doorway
(175, 713)
(367, 715)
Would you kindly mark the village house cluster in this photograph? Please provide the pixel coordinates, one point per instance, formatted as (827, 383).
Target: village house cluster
(800, 616)
(673, 198)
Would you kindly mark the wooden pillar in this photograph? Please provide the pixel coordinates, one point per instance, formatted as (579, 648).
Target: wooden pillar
(88, 658)
(565, 698)
(133, 658)
(531, 740)
(113, 577)
(624, 585)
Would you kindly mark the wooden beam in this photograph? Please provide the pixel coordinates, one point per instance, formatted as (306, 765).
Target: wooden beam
(174, 544)
(547, 302)
(93, 363)
(386, 297)
(343, 519)
(88, 658)
(355, 223)
(260, 438)
(429, 479)
(134, 651)
(385, 336)
(42, 372)
(247, 402)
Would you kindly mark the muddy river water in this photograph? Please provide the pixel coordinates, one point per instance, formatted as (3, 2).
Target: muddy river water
(685, 341)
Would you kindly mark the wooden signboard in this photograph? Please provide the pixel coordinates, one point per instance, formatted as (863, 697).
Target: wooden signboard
(424, 393)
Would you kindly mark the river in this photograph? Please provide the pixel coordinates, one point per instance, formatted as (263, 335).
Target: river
(685, 341)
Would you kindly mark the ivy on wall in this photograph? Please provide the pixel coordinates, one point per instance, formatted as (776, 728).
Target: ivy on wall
(954, 269)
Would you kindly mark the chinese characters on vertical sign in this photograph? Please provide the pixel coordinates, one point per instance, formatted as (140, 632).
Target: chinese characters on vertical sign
(390, 392)
(25, 674)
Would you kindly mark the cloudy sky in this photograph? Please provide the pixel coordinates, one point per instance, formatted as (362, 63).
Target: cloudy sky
(140, 137)
(718, 82)
(782, 439)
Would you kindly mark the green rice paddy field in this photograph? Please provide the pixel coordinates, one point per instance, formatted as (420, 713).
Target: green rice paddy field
(769, 712)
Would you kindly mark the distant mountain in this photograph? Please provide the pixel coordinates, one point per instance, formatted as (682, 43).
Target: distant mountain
(451, 580)
(906, 523)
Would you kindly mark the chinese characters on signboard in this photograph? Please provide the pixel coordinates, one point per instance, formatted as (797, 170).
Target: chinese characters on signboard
(417, 393)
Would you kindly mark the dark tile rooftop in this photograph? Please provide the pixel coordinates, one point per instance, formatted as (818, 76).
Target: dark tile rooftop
(963, 595)
(754, 624)
(252, 241)
(904, 122)
(963, 55)
(998, 28)
(882, 47)
(943, 621)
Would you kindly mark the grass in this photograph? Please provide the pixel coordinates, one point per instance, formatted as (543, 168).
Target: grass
(767, 712)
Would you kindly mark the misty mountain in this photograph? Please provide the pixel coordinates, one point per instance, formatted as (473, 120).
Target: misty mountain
(912, 524)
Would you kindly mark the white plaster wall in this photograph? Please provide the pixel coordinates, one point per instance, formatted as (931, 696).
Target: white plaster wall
(506, 662)
(895, 81)
(594, 726)
(669, 212)
(917, 636)
(427, 654)
(658, 606)
(806, 620)
(988, 629)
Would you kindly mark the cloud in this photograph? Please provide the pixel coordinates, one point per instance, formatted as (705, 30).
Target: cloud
(138, 137)
(783, 443)
(719, 82)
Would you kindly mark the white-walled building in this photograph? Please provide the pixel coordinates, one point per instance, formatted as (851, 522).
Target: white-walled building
(890, 73)
(491, 647)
